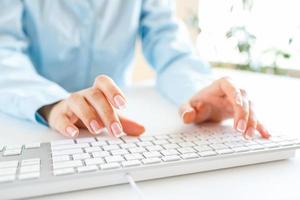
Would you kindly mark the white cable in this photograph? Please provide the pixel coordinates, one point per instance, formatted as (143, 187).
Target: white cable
(135, 187)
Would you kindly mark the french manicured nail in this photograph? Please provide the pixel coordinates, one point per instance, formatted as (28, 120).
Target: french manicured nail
(250, 133)
(241, 126)
(238, 99)
(96, 127)
(120, 101)
(71, 131)
(186, 111)
(116, 129)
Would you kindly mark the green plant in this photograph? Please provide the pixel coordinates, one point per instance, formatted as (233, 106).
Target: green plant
(245, 41)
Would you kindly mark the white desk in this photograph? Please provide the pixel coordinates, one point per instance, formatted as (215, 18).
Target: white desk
(277, 104)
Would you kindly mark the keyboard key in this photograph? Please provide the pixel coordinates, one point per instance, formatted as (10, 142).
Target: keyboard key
(151, 160)
(9, 164)
(11, 147)
(154, 148)
(32, 161)
(207, 153)
(171, 146)
(12, 152)
(85, 140)
(147, 138)
(186, 144)
(133, 156)
(67, 164)
(152, 154)
(160, 142)
(65, 171)
(26, 176)
(286, 143)
(170, 158)
(203, 148)
(8, 171)
(170, 152)
(161, 137)
(189, 156)
(137, 150)
(60, 158)
(224, 151)
(119, 152)
(241, 149)
(62, 142)
(186, 150)
(144, 144)
(100, 154)
(131, 163)
(66, 152)
(110, 147)
(89, 168)
(98, 143)
(129, 139)
(128, 145)
(7, 178)
(1, 147)
(29, 168)
(94, 161)
(92, 149)
(33, 146)
(81, 156)
(110, 159)
(115, 141)
(218, 146)
(110, 166)
(69, 146)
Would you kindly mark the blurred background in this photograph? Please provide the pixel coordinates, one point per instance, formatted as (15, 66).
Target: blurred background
(255, 35)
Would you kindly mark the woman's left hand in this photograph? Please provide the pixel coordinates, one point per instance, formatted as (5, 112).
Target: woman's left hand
(221, 100)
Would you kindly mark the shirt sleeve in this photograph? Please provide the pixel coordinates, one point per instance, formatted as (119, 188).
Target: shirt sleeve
(22, 90)
(180, 72)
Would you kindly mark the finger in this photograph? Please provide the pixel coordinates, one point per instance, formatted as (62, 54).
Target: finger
(85, 113)
(230, 90)
(104, 109)
(241, 113)
(64, 125)
(252, 123)
(111, 91)
(187, 113)
(262, 130)
(130, 127)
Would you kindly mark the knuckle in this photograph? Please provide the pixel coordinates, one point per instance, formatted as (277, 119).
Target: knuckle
(94, 93)
(74, 97)
(102, 79)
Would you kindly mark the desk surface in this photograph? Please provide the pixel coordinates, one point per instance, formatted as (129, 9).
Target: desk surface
(277, 104)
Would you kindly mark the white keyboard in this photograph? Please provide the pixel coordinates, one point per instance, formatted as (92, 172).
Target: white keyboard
(68, 165)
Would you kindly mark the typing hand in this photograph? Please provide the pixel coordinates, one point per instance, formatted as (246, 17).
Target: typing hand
(92, 108)
(221, 100)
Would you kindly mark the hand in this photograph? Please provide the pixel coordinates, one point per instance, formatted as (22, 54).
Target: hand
(221, 100)
(92, 108)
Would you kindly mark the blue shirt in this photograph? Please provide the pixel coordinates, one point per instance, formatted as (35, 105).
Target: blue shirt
(49, 48)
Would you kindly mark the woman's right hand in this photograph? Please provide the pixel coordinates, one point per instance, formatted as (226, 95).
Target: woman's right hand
(94, 109)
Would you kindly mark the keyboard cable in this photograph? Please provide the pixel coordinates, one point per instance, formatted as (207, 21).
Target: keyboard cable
(135, 187)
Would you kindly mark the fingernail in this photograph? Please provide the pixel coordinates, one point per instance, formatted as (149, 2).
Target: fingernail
(71, 131)
(250, 132)
(96, 127)
(186, 111)
(120, 101)
(116, 129)
(238, 99)
(241, 126)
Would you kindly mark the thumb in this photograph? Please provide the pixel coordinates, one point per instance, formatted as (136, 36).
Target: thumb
(131, 127)
(187, 113)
